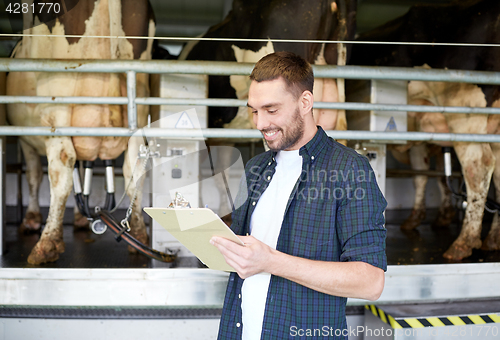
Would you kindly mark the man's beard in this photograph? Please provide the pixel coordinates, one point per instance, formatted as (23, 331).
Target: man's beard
(293, 135)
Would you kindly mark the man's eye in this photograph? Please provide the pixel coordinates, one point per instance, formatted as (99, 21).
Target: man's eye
(272, 111)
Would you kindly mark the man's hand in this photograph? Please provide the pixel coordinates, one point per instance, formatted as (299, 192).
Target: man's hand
(253, 258)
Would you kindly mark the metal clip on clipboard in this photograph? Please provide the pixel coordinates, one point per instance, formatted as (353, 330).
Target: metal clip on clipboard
(194, 227)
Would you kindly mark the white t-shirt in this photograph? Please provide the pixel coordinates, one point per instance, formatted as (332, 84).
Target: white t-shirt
(265, 225)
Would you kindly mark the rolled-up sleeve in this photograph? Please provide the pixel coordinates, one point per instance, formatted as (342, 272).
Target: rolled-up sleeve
(360, 218)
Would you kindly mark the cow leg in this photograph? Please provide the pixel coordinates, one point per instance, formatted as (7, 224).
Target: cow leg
(419, 160)
(34, 174)
(329, 90)
(492, 241)
(446, 211)
(61, 158)
(477, 162)
(137, 225)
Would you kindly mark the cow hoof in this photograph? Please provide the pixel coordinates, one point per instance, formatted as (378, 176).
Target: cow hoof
(460, 250)
(491, 242)
(46, 250)
(444, 218)
(416, 217)
(31, 222)
(139, 236)
(80, 222)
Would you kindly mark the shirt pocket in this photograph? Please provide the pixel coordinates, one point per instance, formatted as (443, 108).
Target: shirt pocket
(314, 237)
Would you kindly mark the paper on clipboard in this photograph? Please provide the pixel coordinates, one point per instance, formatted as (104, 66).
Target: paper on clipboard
(194, 227)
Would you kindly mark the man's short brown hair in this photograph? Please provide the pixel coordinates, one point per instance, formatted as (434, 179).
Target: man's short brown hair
(295, 71)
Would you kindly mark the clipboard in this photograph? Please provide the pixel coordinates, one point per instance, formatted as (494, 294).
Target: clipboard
(194, 227)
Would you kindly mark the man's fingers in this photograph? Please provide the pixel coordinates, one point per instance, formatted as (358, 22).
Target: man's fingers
(241, 258)
(232, 258)
(227, 244)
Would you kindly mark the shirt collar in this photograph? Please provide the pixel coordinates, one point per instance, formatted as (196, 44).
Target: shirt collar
(311, 150)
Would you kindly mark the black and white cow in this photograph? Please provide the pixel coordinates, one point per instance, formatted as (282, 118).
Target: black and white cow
(467, 21)
(90, 18)
(276, 19)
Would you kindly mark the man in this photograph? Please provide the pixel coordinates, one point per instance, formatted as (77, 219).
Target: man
(314, 213)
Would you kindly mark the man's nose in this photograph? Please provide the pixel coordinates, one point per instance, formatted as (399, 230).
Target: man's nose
(261, 121)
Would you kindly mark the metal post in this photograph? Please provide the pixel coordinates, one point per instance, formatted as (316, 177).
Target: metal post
(3, 167)
(19, 172)
(131, 93)
(2, 194)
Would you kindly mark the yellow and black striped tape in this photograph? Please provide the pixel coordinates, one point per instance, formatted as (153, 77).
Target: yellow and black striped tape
(433, 321)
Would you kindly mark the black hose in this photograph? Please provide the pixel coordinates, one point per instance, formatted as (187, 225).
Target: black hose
(109, 220)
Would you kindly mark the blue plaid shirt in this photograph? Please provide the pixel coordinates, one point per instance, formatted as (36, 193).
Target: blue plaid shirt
(335, 213)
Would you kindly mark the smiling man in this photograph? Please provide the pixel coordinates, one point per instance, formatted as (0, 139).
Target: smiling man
(316, 238)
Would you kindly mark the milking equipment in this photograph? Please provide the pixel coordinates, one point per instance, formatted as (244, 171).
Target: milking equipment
(461, 195)
(102, 218)
(172, 164)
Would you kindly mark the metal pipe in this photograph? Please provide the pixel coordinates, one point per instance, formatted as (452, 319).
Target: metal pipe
(110, 202)
(242, 133)
(414, 136)
(192, 101)
(131, 94)
(234, 68)
(110, 179)
(324, 105)
(404, 73)
(407, 108)
(77, 184)
(87, 179)
(447, 161)
(221, 68)
(19, 172)
(243, 103)
(63, 100)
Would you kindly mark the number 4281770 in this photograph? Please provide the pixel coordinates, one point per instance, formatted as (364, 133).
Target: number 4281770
(41, 7)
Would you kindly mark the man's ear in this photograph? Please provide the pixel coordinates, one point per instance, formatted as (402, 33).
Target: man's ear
(306, 102)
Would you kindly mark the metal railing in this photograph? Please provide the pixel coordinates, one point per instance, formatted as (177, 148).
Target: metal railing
(132, 67)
